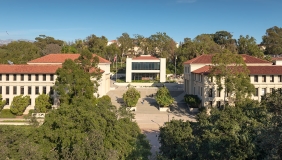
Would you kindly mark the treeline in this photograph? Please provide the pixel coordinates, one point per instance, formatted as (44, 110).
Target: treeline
(83, 127)
(250, 130)
(159, 44)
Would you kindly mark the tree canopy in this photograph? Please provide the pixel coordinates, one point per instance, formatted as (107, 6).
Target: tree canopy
(272, 40)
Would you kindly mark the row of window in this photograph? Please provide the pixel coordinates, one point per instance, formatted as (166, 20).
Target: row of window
(22, 90)
(29, 77)
(145, 65)
(264, 78)
(8, 101)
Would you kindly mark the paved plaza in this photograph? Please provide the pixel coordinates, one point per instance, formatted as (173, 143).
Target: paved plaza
(148, 117)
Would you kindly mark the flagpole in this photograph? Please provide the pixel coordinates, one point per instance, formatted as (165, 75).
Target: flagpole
(116, 67)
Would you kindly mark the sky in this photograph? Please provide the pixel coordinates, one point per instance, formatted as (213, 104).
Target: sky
(69, 20)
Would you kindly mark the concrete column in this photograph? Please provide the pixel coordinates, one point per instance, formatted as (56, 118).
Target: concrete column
(128, 70)
(162, 69)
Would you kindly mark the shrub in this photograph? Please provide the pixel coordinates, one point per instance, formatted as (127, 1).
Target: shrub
(192, 100)
(131, 96)
(19, 104)
(6, 113)
(163, 97)
(42, 103)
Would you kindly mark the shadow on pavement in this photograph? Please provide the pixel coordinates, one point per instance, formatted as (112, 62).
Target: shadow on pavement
(152, 136)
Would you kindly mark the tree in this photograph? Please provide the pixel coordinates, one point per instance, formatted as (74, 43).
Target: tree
(2, 103)
(248, 45)
(225, 40)
(131, 96)
(176, 140)
(205, 45)
(125, 42)
(19, 52)
(42, 103)
(19, 104)
(96, 44)
(163, 97)
(51, 48)
(232, 75)
(161, 45)
(272, 40)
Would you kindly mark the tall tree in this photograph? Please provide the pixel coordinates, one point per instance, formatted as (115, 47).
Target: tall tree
(225, 40)
(205, 45)
(48, 44)
(19, 52)
(272, 40)
(232, 75)
(248, 45)
(96, 45)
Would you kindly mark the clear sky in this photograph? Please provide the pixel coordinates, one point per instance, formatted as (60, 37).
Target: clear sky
(76, 19)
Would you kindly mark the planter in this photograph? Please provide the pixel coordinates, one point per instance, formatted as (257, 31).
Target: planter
(132, 108)
(164, 109)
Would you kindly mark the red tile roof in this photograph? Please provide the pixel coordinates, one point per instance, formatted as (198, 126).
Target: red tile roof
(202, 70)
(207, 59)
(60, 58)
(28, 69)
(265, 70)
(145, 57)
(254, 70)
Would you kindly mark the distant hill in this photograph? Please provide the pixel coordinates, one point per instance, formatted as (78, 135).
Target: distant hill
(7, 41)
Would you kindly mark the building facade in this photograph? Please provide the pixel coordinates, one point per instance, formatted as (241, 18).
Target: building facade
(264, 75)
(38, 76)
(145, 67)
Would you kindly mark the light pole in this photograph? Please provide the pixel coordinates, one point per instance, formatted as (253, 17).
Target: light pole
(175, 67)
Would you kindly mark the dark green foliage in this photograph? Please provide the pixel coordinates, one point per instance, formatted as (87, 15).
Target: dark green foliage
(192, 100)
(19, 104)
(6, 113)
(248, 45)
(131, 97)
(42, 103)
(229, 133)
(272, 40)
(163, 97)
(2, 103)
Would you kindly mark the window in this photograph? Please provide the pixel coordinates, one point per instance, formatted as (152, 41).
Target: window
(272, 78)
(210, 103)
(272, 90)
(200, 78)
(44, 90)
(15, 90)
(211, 79)
(7, 90)
(280, 78)
(51, 77)
(36, 90)
(218, 93)
(256, 78)
(210, 92)
(263, 91)
(22, 89)
(0, 89)
(15, 77)
(22, 77)
(0, 77)
(145, 65)
(218, 104)
(194, 77)
(44, 77)
(29, 90)
(36, 77)
(263, 78)
(185, 69)
(256, 92)
(29, 77)
(51, 91)
(201, 91)
(7, 77)
(7, 101)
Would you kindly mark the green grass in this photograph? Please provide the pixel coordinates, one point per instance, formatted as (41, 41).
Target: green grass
(6, 113)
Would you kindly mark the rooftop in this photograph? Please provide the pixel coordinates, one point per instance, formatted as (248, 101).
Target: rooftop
(145, 57)
(207, 59)
(60, 58)
(28, 69)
